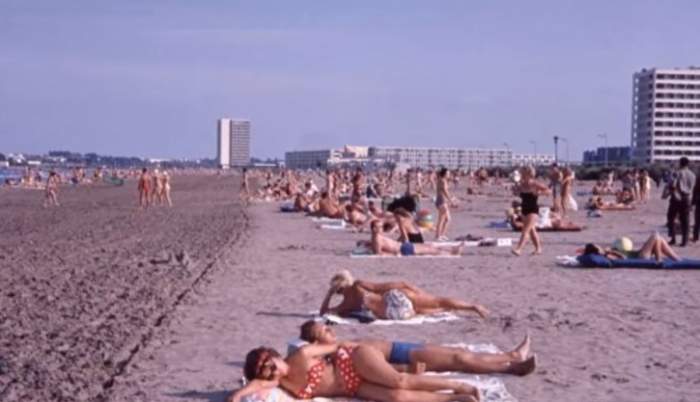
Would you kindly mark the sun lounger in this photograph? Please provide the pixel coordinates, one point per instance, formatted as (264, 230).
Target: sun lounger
(599, 261)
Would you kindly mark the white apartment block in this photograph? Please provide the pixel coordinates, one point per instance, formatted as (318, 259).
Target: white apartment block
(233, 143)
(451, 158)
(666, 115)
(325, 157)
(533, 159)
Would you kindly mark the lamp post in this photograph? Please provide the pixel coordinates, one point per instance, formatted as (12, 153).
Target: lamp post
(534, 145)
(605, 137)
(556, 149)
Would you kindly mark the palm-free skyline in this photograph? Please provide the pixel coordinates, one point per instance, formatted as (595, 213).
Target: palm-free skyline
(151, 78)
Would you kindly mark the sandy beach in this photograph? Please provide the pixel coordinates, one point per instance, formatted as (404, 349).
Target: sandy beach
(89, 312)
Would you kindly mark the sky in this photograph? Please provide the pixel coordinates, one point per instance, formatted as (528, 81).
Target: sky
(150, 78)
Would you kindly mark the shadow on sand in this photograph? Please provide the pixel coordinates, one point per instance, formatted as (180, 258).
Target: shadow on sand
(288, 315)
(211, 396)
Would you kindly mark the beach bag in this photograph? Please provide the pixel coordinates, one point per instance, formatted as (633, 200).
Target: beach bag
(570, 203)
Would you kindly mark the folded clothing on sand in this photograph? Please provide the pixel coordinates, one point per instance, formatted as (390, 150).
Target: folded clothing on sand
(599, 261)
(492, 388)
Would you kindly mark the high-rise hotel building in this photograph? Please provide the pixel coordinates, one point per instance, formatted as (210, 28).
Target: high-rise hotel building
(666, 115)
(233, 143)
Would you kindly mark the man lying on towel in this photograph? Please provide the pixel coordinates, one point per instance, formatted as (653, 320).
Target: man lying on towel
(382, 245)
(419, 357)
(390, 300)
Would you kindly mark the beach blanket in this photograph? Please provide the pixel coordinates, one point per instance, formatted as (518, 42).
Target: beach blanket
(599, 261)
(492, 388)
(417, 320)
(365, 252)
(498, 225)
(287, 207)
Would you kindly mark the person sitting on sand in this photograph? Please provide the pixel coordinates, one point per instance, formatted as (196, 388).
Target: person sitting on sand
(389, 300)
(408, 230)
(355, 216)
(382, 245)
(344, 370)
(597, 203)
(625, 197)
(419, 357)
(329, 208)
(655, 247)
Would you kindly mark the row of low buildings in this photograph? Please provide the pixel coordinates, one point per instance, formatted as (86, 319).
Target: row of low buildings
(452, 158)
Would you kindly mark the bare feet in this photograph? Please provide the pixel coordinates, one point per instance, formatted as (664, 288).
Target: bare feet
(418, 368)
(537, 252)
(523, 350)
(515, 252)
(457, 250)
(523, 368)
(472, 393)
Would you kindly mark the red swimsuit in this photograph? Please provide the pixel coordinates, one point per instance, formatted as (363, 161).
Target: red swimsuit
(343, 362)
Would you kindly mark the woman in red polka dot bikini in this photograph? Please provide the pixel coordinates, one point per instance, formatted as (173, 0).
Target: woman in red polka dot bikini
(344, 370)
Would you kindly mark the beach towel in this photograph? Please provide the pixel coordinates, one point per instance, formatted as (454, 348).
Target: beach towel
(287, 207)
(417, 320)
(498, 225)
(492, 388)
(552, 229)
(599, 261)
(365, 252)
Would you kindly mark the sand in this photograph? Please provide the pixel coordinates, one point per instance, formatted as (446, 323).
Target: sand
(601, 335)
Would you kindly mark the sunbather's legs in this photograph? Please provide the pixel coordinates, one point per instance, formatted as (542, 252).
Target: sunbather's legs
(371, 365)
(536, 240)
(440, 359)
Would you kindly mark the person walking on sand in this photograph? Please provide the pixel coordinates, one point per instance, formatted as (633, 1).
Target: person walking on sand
(529, 189)
(51, 191)
(443, 200)
(144, 187)
(157, 193)
(245, 186)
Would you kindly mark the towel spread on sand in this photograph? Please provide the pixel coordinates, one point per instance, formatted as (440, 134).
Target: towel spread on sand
(365, 252)
(492, 388)
(417, 320)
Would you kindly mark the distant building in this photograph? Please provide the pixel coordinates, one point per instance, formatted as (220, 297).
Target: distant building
(666, 115)
(233, 143)
(611, 155)
(451, 158)
(533, 159)
(325, 158)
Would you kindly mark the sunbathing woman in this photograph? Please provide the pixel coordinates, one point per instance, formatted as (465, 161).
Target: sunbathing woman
(430, 357)
(355, 216)
(382, 245)
(553, 221)
(598, 203)
(343, 370)
(390, 300)
(655, 247)
(529, 189)
(329, 208)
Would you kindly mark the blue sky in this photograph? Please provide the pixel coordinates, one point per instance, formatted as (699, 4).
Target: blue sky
(150, 78)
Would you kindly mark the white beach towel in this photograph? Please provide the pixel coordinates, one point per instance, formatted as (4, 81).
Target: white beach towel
(492, 388)
(328, 221)
(417, 320)
(568, 261)
(364, 252)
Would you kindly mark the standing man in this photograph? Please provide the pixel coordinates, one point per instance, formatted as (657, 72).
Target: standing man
(684, 189)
